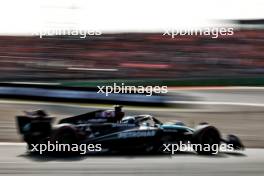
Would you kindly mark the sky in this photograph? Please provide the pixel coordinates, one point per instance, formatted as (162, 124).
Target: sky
(24, 17)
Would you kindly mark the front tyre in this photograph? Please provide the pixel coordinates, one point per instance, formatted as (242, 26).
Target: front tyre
(206, 140)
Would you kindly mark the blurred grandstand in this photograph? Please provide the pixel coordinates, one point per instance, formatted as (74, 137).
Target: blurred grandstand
(132, 56)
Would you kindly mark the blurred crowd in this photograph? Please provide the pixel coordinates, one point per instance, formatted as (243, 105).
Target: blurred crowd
(132, 56)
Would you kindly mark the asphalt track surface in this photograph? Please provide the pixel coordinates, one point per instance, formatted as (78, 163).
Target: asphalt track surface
(15, 161)
(237, 110)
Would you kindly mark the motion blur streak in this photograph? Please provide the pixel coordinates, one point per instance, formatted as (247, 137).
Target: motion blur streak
(232, 60)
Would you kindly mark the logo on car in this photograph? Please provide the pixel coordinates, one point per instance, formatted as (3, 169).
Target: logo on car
(131, 134)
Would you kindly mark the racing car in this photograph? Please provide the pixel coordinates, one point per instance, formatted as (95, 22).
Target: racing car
(119, 133)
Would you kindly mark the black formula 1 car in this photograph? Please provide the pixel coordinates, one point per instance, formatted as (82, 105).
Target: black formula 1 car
(140, 133)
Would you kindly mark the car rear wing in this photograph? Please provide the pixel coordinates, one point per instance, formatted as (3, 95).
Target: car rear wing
(28, 124)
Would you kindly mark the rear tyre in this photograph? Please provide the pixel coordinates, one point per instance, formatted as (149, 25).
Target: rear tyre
(65, 135)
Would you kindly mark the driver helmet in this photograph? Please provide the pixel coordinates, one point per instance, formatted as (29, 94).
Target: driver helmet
(119, 114)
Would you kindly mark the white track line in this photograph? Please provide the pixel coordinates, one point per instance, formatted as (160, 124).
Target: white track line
(12, 144)
(32, 83)
(92, 69)
(216, 88)
(217, 103)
